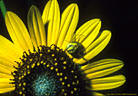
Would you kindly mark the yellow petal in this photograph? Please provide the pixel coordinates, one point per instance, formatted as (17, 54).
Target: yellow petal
(96, 47)
(7, 66)
(8, 54)
(36, 27)
(5, 83)
(51, 14)
(97, 94)
(8, 61)
(8, 49)
(5, 86)
(4, 75)
(5, 90)
(18, 31)
(88, 32)
(68, 25)
(102, 68)
(6, 69)
(108, 82)
(46, 12)
(101, 42)
(54, 22)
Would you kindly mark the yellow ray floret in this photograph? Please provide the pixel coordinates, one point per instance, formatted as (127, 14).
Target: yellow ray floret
(5, 90)
(46, 12)
(36, 27)
(97, 94)
(5, 86)
(5, 75)
(18, 31)
(96, 47)
(88, 32)
(108, 82)
(102, 68)
(13, 50)
(69, 21)
(51, 15)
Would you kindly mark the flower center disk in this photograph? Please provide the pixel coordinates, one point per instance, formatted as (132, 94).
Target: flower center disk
(48, 72)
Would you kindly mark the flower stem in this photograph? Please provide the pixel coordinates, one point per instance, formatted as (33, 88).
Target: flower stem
(2, 8)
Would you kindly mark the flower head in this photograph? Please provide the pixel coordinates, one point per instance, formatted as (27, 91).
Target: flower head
(55, 62)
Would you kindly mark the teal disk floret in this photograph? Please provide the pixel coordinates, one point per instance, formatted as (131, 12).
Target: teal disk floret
(45, 85)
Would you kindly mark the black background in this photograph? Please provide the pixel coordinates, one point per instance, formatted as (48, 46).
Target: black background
(119, 16)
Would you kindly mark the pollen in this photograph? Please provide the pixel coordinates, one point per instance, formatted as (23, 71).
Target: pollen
(65, 77)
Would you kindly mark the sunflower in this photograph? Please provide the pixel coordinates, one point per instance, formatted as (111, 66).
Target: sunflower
(55, 62)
